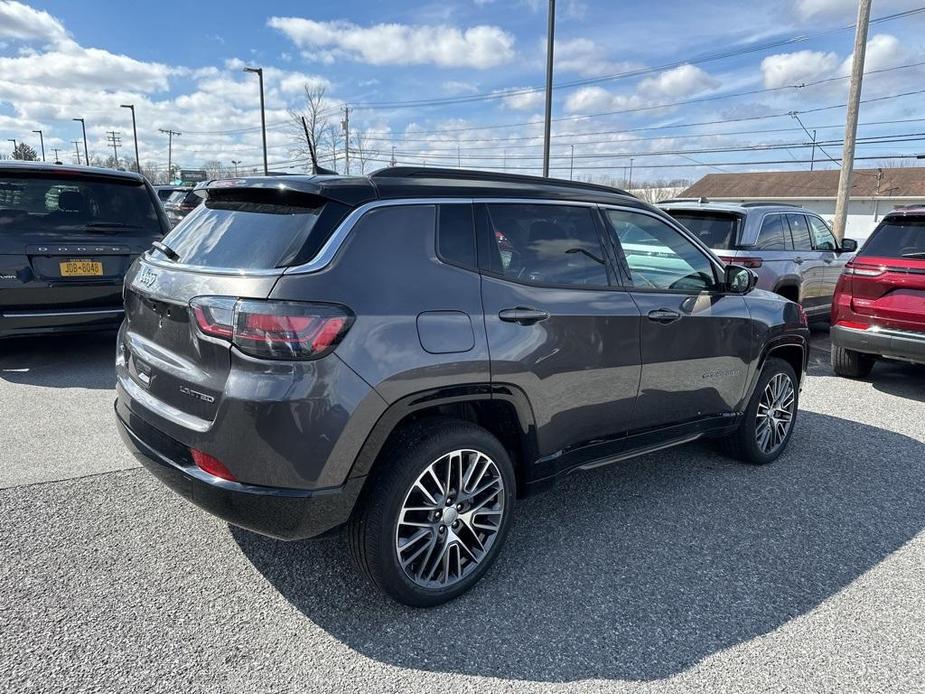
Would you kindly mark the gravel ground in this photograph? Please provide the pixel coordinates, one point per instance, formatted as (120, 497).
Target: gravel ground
(680, 571)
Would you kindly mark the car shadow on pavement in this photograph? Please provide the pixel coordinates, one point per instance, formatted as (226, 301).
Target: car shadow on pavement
(640, 570)
(80, 360)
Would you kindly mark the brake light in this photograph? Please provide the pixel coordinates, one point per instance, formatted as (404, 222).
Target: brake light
(273, 329)
(748, 262)
(212, 465)
(863, 270)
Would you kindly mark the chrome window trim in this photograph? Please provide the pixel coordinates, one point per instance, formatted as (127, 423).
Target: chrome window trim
(57, 314)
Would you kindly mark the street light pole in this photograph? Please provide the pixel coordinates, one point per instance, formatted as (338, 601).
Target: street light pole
(77, 150)
(235, 164)
(135, 134)
(83, 126)
(550, 35)
(42, 142)
(10, 139)
(263, 118)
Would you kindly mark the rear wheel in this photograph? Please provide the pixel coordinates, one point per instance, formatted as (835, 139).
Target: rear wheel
(435, 513)
(769, 418)
(851, 364)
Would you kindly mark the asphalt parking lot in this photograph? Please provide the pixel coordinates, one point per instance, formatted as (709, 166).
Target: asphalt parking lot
(680, 571)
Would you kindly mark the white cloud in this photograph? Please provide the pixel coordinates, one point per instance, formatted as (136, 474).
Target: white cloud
(23, 23)
(883, 51)
(459, 88)
(586, 58)
(399, 44)
(524, 101)
(785, 69)
(588, 99)
(295, 82)
(681, 81)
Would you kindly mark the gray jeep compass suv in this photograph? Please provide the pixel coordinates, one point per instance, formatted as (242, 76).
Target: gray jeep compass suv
(792, 250)
(410, 352)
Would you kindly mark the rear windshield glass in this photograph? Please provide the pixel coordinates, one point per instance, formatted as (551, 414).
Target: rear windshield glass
(46, 203)
(178, 196)
(248, 230)
(897, 237)
(715, 229)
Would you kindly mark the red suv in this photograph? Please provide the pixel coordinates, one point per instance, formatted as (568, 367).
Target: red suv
(879, 305)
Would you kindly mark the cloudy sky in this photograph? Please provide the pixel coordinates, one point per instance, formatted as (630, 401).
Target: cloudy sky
(681, 87)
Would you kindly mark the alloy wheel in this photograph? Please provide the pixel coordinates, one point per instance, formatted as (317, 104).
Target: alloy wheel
(775, 413)
(450, 518)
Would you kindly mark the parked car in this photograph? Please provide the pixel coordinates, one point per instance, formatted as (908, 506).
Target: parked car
(409, 352)
(792, 250)
(165, 191)
(67, 237)
(879, 305)
(180, 203)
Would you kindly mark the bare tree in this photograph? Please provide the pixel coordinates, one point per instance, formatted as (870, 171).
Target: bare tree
(362, 149)
(215, 169)
(317, 113)
(24, 152)
(333, 139)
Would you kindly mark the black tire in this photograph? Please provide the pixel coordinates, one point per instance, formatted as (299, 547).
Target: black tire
(851, 364)
(743, 443)
(371, 531)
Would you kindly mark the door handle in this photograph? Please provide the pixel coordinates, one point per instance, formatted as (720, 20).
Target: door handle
(798, 260)
(522, 315)
(828, 261)
(664, 316)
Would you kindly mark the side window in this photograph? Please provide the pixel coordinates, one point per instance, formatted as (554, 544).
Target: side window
(771, 234)
(547, 244)
(799, 231)
(823, 238)
(660, 257)
(456, 235)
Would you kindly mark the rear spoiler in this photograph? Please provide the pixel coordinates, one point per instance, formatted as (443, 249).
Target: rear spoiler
(347, 191)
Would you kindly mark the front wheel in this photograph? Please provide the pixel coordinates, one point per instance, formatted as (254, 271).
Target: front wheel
(769, 418)
(435, 513)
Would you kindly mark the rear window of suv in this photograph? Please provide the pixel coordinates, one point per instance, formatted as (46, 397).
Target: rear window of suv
(897, 237)
(715, 229)
(37, 202)
(245, 229)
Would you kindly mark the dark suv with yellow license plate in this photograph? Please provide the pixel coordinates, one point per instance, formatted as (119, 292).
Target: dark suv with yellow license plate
(67, 238)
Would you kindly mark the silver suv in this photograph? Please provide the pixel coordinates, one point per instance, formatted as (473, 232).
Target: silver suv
(793, 251)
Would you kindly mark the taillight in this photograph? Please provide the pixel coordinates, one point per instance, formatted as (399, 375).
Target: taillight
(744, 262)
(273, 329)
(860, 270)
(212, 465)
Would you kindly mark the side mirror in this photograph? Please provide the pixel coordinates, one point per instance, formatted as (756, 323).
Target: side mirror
(848, 246)
(740, 280)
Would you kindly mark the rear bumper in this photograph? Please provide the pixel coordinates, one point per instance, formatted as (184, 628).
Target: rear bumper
(894, 344)
(35, 322)
(286, 514)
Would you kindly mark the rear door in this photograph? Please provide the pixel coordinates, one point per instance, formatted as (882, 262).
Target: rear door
(559, 325)
(67, 239)
(811, 266)
(775, 249)
(825, 243)
(696, 340)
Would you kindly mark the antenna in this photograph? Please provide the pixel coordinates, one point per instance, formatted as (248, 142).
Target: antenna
(317, 170)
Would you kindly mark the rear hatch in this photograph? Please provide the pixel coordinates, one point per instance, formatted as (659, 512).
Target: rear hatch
(233, 246)
(67, 237)
(887, 276)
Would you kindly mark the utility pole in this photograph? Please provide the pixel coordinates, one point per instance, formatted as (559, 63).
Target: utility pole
(345, 124)
(42, 141)
(77, 150)
(57, 158)
(235, 165)
(83, 127)
(504, 160)
(629, 182)
(550, 36)
(571, 166)
(263, 118)
(170, 133)
(115, 141)
(851, 123)
(135, 135)
(812, 158)
(458, 158)
(392, 163)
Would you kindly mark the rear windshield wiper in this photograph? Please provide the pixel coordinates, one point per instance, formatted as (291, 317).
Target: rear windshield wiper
(111, 225)
(916, 254)
(166, 250)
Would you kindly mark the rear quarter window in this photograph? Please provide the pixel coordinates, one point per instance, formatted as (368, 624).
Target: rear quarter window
(456, 235)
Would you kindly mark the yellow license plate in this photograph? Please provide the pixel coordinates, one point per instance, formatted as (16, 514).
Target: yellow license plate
(81, 268)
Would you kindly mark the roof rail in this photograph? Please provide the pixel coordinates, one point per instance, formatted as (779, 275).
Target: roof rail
(768, 204)
(473, 175)
(702, 200)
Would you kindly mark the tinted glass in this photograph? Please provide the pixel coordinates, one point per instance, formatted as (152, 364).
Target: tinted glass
(715, 230)
(547, 244)
(771, 235)
(823, 238)
(658, 256)
(897, 237)
(799, 232)
(176, 196)
(456, 235)
(244, 232)
(40, 203)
